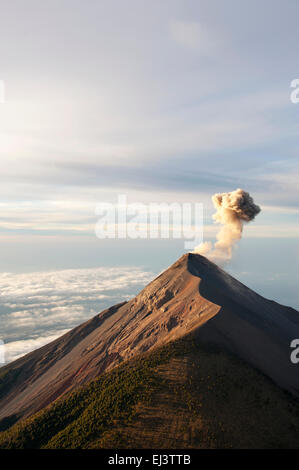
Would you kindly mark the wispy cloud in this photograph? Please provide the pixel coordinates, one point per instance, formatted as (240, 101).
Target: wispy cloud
(195, 35)
(188, 34)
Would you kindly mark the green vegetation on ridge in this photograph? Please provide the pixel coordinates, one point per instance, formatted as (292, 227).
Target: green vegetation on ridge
(213, 399)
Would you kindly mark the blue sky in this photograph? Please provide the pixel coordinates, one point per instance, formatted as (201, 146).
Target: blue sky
(161, 101)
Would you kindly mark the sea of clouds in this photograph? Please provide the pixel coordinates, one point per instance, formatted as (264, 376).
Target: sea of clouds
(36, 308)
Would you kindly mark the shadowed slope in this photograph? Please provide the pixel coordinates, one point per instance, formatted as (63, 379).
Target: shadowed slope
(248, 325)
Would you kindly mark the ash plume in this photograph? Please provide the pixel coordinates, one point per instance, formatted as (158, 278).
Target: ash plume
(232, 211)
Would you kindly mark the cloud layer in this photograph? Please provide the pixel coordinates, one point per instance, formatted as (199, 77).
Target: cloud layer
(37, 307)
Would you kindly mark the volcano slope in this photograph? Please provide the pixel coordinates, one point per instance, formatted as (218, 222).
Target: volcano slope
(181, 395)
(241, 343)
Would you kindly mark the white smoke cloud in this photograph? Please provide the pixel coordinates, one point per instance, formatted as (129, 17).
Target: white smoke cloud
(232, 210)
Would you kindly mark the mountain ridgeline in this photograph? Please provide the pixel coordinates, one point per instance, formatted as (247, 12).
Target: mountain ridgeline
(196, 359)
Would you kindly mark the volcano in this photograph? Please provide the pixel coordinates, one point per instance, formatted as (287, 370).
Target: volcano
(237, 334)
